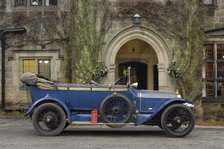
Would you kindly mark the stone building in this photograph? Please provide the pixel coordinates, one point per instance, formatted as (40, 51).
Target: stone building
(213, 54)
(147, 49)
(36, 50)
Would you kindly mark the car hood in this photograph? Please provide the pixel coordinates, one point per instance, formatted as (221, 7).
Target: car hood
(156, 94)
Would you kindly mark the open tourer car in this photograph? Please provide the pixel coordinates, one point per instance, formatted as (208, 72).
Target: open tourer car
(56, 105)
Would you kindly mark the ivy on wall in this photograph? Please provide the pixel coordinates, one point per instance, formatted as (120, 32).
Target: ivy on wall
(91, 20)
(190, 58)
(175, 19)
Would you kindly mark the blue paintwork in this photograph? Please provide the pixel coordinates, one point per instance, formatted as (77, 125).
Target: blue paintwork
(148, 103)
(45, 99)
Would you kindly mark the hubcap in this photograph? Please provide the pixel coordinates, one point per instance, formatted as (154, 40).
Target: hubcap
(49, 119)
(177, 120)
(116, 110)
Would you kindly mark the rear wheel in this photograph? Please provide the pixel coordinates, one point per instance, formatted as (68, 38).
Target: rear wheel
(49, 119)
(177, 120)
(115, 109)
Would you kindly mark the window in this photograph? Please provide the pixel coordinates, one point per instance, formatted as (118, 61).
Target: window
(44, 67)
(29, 65)
(208, 2)
(36, 2)
(51, 2)
(213, 74)
(20, 3)
(211, 6)
(40, 66)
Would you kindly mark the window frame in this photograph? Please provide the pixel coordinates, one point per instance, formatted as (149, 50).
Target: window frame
(211, 7)
(37, 68)
(37, 64)
(213, 3)
(16, 4)
(43, 3)
(215, 80)
(30, 60)
(38, 4)
(50, 1)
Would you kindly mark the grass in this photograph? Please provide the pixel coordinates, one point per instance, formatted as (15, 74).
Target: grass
(11, 115)
(211, 122)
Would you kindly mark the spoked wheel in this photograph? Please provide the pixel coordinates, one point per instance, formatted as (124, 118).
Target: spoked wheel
(115, 109)
(177, 120)
(49, 119)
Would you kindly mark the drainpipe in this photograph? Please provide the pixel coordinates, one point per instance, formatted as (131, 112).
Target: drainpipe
(2, 37)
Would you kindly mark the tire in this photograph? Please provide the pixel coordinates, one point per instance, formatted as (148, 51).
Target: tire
(49, 119)
(177, 120)
(160, 125)
(115, 109)
(66, 125)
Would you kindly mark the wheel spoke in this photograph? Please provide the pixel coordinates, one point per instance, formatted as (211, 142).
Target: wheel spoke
(178, 120)
(116, 110)
(49, 119)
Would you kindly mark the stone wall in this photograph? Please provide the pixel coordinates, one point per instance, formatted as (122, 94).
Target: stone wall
(215, 16)
(0, 72)
(37, 21)
(46, 37)
(2, 4)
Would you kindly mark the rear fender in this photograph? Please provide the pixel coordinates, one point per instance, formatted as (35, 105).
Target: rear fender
(49, 100)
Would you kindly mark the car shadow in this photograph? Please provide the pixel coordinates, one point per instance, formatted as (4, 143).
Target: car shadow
(112, 132)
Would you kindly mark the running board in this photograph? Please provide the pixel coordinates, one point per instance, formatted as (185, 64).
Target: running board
(101, 124)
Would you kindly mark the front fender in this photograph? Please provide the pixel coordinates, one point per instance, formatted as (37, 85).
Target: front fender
(45, 100)
(163, 106)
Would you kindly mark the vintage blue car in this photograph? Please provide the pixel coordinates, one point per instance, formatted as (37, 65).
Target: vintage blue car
(55, 106)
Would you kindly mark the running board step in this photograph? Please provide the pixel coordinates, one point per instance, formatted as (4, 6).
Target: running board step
(101, 124)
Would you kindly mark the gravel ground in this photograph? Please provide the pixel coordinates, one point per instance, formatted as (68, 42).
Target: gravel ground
(19, 134)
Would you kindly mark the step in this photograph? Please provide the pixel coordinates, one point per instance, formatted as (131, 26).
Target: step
(101, 124)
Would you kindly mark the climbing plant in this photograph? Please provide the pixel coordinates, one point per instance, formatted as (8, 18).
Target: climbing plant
(91, 20)
(175, 19)
(175, 70)
(190, 58)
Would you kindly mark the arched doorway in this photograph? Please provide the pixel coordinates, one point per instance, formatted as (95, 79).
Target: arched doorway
(142, 59)
(138, 73)
(150, 37)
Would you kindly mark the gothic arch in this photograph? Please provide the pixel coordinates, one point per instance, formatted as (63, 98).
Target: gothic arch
(150, 37)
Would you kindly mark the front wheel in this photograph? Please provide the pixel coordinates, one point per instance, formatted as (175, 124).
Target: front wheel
(177, 120)
(49, 119)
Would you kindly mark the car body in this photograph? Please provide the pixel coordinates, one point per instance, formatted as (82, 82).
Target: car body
(55, 106)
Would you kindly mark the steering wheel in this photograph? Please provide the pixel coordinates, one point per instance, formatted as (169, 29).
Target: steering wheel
(117, 80)
(121, 80)
(94, 83)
